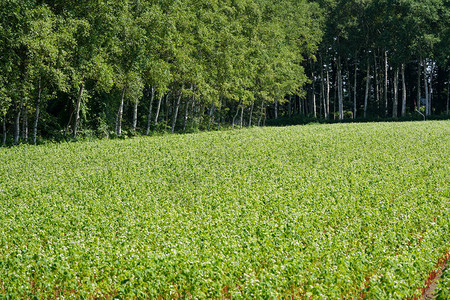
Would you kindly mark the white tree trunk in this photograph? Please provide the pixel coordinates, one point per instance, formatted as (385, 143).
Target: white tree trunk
(25, 124)
(366, 95)
(186, 111)
(403, 91)
(211, 114)
(375, 75)
(313, 95)
(395, 100)
(150, 107)
(327, 104)
(261, 113)
(177, 107)
(235, 116)
(186, 114)
(17, 125)
(5, 133)
(120, 114)
(242, 116)
(167, 108)
(385, 84)
(36, 115)
(192, 106)
(251, 113)
(77, 110)
(430, 98)
(135, 114)
(276, 109)
(340, 90)
(158, 109)
(355, 91)
(322, 89)
(448, 93)
(289, 106)
(265, 116)
(425, 80)
(419, 94)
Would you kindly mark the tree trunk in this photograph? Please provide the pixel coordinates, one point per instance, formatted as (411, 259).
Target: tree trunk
(366, 95)
(448, 93)
(340, 90)
(192, 106)
(223, 103)
(265, 116)
(68, 123)
(242, 116)
(36, 115)
(395, 100)
(17, 125)
(77, 110)
(261, 113)
(314, 104)
(177, 107)
(300, 108)
(120, 114)
(385, 84)
(313, 92)
(430, 98)
(403, 91)
(4, 129)
(313, 99)
(158, 109)
(166, 109)
(235, 116)
(419, 94)
(289, 106)
(327, 104)
(251, 113)
(336, 92)
(322, 89)
(150, 107)
(276, 109)
(135, 114)
(355, 91)
(425, 80)
(25, 124)
(186, 111)
(186, 114)
(211, 114)
(306, 106)
(375, 75)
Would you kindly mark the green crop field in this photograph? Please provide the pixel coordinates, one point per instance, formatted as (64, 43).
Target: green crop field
(328, 211)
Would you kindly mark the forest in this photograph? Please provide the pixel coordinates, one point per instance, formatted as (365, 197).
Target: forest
(72, 69)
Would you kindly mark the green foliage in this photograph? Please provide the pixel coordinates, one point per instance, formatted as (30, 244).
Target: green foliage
(241, 51)
(251, 54)
(332, 211)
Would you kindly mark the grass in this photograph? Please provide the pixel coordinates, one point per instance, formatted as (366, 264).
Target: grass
(328, 211)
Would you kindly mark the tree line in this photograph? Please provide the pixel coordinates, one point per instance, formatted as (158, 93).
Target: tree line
(70, 68)
(381, 58)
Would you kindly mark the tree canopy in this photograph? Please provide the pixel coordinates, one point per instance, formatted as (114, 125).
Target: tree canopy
(101, 67)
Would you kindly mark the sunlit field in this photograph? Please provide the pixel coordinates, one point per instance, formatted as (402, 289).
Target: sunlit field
(328, 211)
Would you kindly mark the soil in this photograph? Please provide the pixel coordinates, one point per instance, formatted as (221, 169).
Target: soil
(429, 291)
